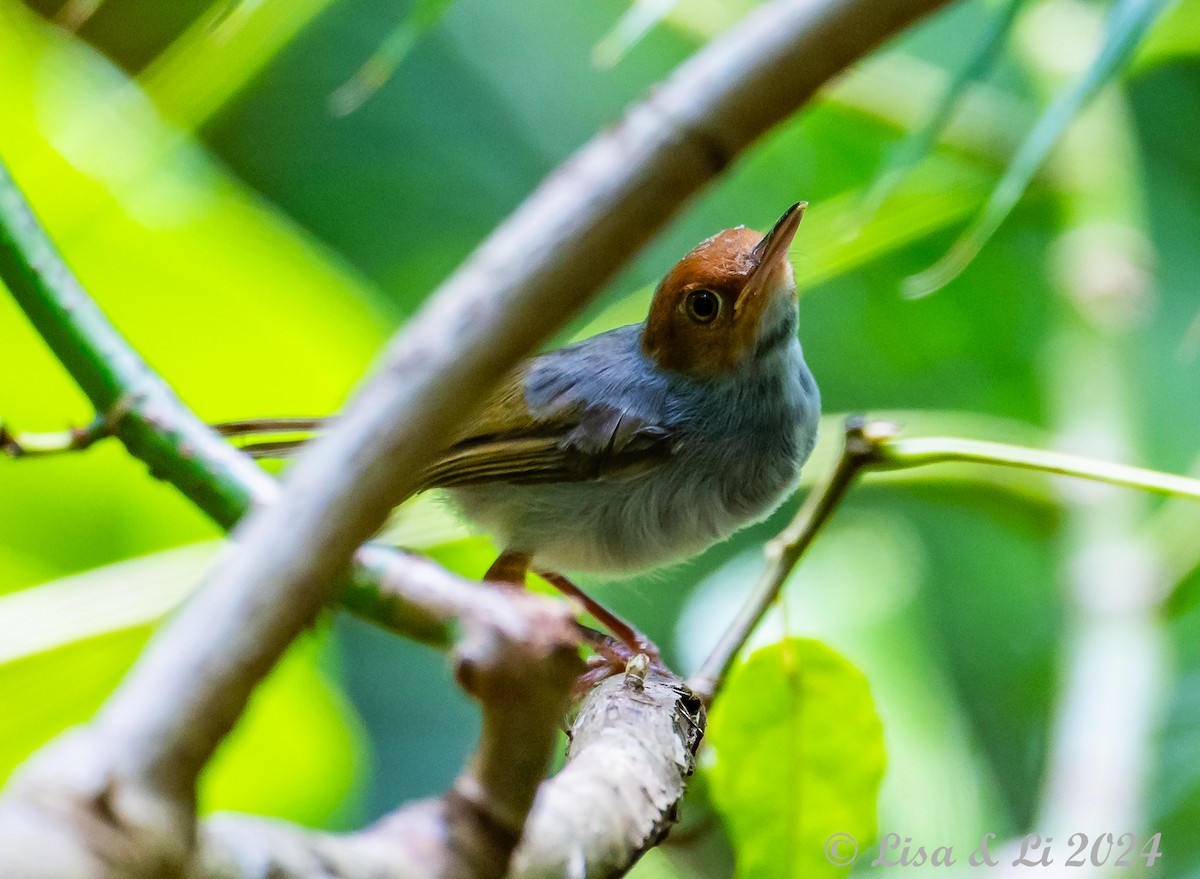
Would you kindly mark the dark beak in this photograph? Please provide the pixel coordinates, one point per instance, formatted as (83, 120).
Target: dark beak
(770, 254)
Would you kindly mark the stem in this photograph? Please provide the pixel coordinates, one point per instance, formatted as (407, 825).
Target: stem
(859, 449)
(74, 439)
(905, 454)
(135, 404)
(871, 445)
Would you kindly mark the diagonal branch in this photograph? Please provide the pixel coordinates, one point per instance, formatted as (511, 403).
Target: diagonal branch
(632, 749)
(533, 273)
(134, 403)
(138, 761)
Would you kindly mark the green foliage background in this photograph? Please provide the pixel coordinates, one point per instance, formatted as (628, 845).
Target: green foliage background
(257, 248)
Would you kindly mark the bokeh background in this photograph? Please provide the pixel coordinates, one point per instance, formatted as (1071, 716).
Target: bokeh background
(256, 211)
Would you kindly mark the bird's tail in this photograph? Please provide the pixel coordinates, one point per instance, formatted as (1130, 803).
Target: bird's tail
(271, 437)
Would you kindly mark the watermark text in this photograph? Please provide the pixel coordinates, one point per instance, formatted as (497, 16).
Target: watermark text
(1080, 849)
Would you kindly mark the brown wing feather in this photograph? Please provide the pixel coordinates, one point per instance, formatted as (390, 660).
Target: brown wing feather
(573, 443)
(503, 442)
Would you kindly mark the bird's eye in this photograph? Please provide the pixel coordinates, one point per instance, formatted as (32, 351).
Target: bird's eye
(703, 306)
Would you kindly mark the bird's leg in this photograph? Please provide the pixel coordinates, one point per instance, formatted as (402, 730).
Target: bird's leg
(630, 641)
(509, 568)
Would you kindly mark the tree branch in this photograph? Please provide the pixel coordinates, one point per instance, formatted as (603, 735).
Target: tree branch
(632, 749)
(532, 274)
(517, 655)
(133, 402)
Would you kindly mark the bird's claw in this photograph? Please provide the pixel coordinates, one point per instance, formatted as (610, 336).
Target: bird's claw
(636, 661)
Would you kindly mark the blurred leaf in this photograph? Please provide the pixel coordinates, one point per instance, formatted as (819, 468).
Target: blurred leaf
(45, 693)
(991, 610)
(74, 13)
(297, 751)
(834, 241)
(403, 188)
(654, 865)
(1175, 807)
(707, 18)
(65, 645)
(1174, 36)
(223, 50)
(127, 595)
(920, 142)
(18, 569)
(799, 758)
(142, 591)
(639, 19)
(1127, 23)
(422, 17)
(235, 306)
(129, 32)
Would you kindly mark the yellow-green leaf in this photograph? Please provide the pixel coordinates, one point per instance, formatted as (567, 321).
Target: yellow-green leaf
(799, 759)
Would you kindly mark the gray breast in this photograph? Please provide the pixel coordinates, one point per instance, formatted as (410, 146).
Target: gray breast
(741, 446)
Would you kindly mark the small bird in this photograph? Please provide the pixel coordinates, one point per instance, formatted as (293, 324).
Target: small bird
(645, 444)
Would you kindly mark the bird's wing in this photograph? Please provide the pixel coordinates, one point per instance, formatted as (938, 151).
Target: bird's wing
(571, 442)
(568, 440)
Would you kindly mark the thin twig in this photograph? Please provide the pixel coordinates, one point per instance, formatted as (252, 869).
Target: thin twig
(904, 454)
(859, 448)
(874, 446)
(27, 444)
(74, 439)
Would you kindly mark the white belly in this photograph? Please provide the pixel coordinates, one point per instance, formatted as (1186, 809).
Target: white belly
(649, 520)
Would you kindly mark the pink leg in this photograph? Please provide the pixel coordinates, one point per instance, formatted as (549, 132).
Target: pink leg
(623, 631)
(612, 653)
(510, 568)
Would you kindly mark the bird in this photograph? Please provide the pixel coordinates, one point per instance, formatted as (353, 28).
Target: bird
(643, 445)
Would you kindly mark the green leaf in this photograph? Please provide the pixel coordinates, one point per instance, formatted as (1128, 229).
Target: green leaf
(65, 645)
(422, 17)
(939, 193)
(221, 52)
(1175, 36)
(297, 752)
(921, 142)
(1127, 23)
(641, 18)
(800, 759)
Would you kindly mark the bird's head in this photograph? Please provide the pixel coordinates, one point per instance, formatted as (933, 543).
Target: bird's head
(731, 294)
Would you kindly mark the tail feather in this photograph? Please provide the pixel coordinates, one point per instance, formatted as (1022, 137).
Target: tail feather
(252, 428)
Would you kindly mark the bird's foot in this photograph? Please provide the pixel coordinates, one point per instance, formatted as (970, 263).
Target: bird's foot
(626, 651)
(637, 657)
